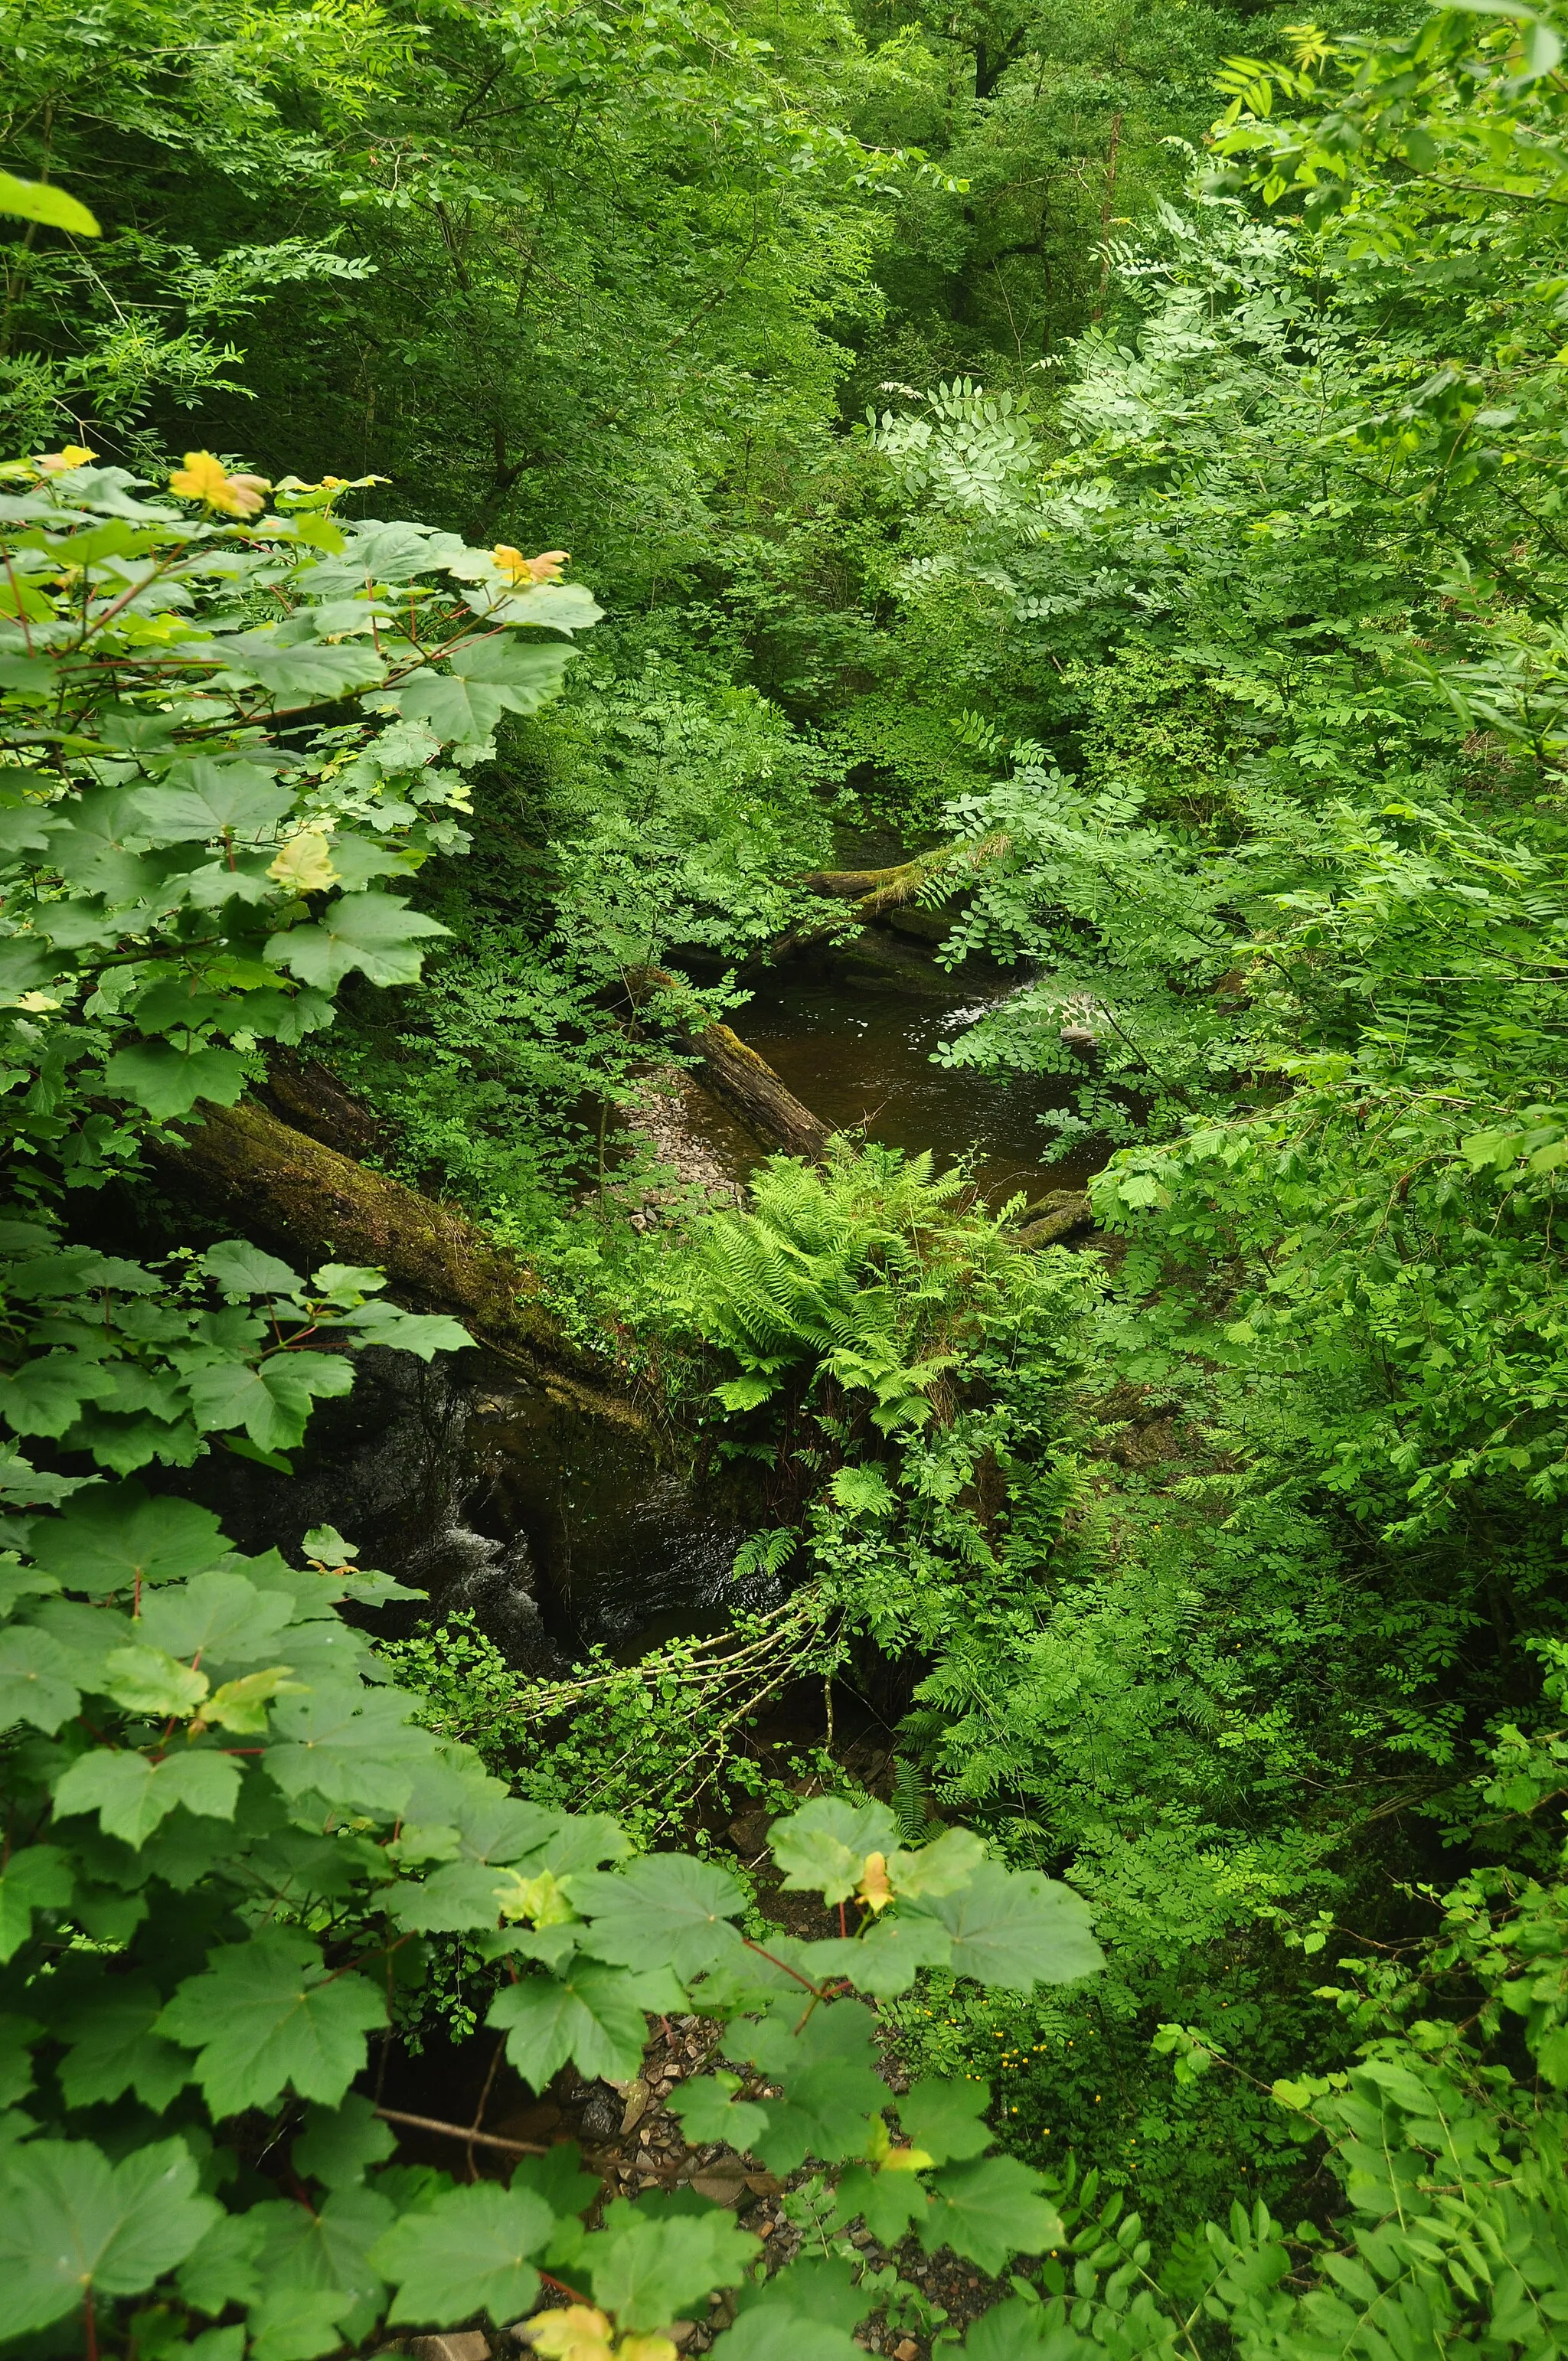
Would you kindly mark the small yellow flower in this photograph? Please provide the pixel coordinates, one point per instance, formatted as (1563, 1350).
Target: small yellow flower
(60, 462)
(304, 864)
(202, 478)
(575, 2332)
(523, 571)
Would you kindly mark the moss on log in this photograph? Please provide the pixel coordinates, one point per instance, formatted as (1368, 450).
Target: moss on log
(315, 1203)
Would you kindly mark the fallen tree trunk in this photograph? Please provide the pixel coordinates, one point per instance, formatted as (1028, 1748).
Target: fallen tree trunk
(321, 1206)
(1063, 1215)
(741, 1082)
(874, 893)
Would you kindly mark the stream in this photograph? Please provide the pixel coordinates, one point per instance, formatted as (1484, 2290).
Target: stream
(559, 1530)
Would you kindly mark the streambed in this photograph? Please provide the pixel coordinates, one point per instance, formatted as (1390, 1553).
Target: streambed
(561, 1529)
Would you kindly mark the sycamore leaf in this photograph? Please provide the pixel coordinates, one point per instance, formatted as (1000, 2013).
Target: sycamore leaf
(266, 2016)
(70, 2223)
(650, 2270)
(222, 2269)
(374, 933)
(468, 2251)
(885, 1960)
(339, 2145)
(708, 2110)
(238, 1269)
(326, 2247)
(168, 1081)
(304, 673)
(822, 1849)
(1017, 1928)
(990, 2210)
(273, 1403)
(807, 2313)
(886, 2201)
(113, 1538)
(221, 1617)
(353, 1746)
(113, 2049)
(666, 1906)
(944, 2118)
(148, 1682)
(592, 2015)
(36, 1877)
(131, 1795)
(939, 1868)
(203, 799)
(36, 1684)
(241, 1705)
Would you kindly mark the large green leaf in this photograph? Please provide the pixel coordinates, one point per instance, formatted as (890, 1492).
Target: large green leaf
(649, 2267)
(1017, 1928)
(113, 2049)
(203, 799)
(113, 1538)
(131, 1795)
(306, 672)
(165, 1080)
(372, 934)
(593, 2016)
(945, 2118)
(326, 2247)
(70, 2223)
(267, 2016)
(222, 1618)
(666, 1906)
(36, 1685)
(990, 2210)
(273, 1401)
(353, 1746)
(36, 1877)
(41, 201)
(470, 2251)
(822, 1848)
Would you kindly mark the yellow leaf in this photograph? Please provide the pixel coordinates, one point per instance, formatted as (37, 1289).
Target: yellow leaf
(204, 477)
(575, 2332)
(875, 1889)
(524, 571)
(60, 462)
(304, 864)
(646, 2348)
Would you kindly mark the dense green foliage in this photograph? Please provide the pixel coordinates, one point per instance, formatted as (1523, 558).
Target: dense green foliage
(1176, 536)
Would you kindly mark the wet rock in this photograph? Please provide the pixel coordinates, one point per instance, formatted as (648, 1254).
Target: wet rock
(601, 2113)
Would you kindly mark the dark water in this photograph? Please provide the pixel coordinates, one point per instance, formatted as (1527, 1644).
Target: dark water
(860, 1055)
(559, 1530)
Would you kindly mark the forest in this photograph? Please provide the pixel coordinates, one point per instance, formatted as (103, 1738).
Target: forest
(783, 856)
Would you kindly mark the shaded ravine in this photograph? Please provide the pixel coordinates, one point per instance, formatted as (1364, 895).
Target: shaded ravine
(528, 1496)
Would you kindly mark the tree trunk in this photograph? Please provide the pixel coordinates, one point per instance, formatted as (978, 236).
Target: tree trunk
(741, 1082)
(319, 1206)
(875, 892)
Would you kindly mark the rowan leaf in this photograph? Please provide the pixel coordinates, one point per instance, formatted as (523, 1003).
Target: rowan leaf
(266, 2015)
(468, 2251)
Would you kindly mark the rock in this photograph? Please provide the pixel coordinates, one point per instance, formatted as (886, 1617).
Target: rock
(601, 2115)
(637, 2096)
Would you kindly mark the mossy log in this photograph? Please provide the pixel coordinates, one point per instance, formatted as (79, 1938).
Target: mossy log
(1063, 1215)
(277, 1183)
(743, 1082)
(874, 894)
